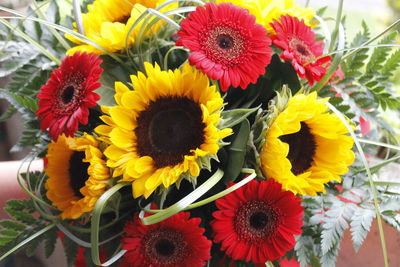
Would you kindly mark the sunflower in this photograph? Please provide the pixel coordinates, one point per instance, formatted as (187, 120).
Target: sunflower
(78, 175)
(107, 23)
(299, 46)
(226, 44)
(166, 128)
(266, 11)
(176, 241)
(257, 222)
(306, 146)
(65, 99)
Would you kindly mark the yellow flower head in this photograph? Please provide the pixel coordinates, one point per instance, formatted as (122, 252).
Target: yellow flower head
(266, 11)
(164, 130)
(77, 174)
(306, 146)
(107, 23)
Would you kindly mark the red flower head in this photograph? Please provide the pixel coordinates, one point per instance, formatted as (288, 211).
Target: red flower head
(65, 99)
(258, 221)
(226, 44)
(176, 241)
(297, 41)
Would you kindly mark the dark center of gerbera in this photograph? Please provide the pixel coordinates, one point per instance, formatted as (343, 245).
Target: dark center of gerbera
(302, 148)
(256, 220)
(67, 94)
(224, 44)
(78, 172)
(301, 49)
(164, 246)
(225, 41)
(168, 129)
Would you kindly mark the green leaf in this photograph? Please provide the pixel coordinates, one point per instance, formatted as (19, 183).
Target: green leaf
(237, 152)
(360, 225)
(380, 54)
(20, 216)
(14, 55)
(20, 102)
(71, 250)
(303, 248)
(9, 233)
(334, 225)
(391, 64)
(233, 117)
(50, 239)
(8, 224)
(10, 111)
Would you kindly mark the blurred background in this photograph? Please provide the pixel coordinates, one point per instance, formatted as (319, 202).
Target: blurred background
(376, 13)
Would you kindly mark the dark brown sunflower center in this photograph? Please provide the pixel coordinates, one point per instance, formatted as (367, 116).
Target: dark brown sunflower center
(123, 19)
(224, 44)
(67, 94)
(301, 49)
(302, 148)
(225, 41)
(164, 246)
(168, 129)
(256, 220)
(78, 172)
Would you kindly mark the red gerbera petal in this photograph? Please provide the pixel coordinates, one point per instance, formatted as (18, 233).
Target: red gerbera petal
(65, 99)
(298, 43)
(264, 220)
(226, 44)
(176, 241)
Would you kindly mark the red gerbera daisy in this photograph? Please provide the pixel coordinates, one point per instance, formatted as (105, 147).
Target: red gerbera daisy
(298, 43)
(65, 99)
(226, 43)
(176, 241)
(257, 221)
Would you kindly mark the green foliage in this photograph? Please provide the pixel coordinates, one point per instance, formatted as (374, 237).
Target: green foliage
(70, 249)
(237, 151)
(25, 224)
(28, 71)
(360, 225)
(366, 86)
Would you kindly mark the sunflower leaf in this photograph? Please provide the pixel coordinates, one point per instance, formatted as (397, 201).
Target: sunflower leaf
(237, 151)
(233, 117)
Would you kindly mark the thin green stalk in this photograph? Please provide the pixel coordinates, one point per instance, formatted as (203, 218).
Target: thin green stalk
(29, 239)
(366, 141)
(184, 202)
(379, 165)
(222, 193)
(337, 25)
(389, 28)
(96, 215)
(31, 41)
(335, 63)
(371, 182)
(52, 30)
(78, 16)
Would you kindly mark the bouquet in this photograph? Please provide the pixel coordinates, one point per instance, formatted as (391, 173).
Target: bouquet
(191, 133)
